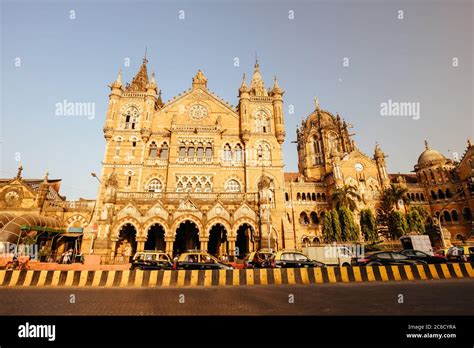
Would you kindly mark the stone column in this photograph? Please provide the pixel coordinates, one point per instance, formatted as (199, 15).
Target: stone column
(169, 245)
(204, 241)
(231, 249)
(141, 243)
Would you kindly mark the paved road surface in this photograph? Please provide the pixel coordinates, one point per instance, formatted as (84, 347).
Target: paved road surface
(448, 297)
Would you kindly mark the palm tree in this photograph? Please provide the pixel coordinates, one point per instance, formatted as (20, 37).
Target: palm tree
(346, 196)
(393, 194)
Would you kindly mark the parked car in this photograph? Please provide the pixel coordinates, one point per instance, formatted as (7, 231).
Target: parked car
(199, 260)
(293, 259)
(151, 260)
(258, 259)
(422, 256)
(385, 258)
(460, 254)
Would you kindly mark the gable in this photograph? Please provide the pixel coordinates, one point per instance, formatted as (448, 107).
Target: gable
(199, 107)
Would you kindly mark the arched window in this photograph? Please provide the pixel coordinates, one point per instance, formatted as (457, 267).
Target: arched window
(129, 181)
(433, 195)
(440, 194)
(131, 118)
(209, 151)
(153, 150)
(467, 214)
(164, 151)
(227, 153)
(200, 151)
(314, 218)
(232, 186)
(323, 197)
(262, 124)
(155, 185)
(117, 148)
(422, 196)
(455, 215)
(182, 152)
(191, 152)
(238, 153)
(447, 216)
(448, 193)
(318, 197)
(303, 197)
(417, 196)
(306, 242)
(287, 197)
(304, 218)
(298, 196)
(313, 197)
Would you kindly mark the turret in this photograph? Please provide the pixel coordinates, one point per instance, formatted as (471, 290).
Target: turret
(42, 191)
(379, 158)
(277, 94)
(244, 101)
(150, 102)
(114, 97)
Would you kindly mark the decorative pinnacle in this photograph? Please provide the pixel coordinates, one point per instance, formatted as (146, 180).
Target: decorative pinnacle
(426, 145)
(316, 103)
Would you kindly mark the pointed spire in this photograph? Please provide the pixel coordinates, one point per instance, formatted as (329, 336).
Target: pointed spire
(140, 80)
(18, 174)
(144, 58)
(276, 88)
(243, 86)
(426, 145)
(45, 179)
(316, 103)
(257, 86)
(118, 82)
(152, 83)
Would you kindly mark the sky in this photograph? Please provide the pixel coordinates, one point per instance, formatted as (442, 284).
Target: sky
(353, 55)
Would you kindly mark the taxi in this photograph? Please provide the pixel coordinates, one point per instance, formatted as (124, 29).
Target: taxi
(200, 260)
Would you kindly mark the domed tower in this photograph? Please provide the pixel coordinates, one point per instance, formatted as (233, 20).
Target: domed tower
(434, 168)
(321, 138)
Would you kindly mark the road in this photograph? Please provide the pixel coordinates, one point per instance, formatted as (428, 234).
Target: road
(437, 297)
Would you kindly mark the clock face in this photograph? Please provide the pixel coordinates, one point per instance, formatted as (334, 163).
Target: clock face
(12, 198)
(198, 112)
(359, 167)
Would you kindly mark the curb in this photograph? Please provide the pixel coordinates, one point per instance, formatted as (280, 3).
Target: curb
(206, 278)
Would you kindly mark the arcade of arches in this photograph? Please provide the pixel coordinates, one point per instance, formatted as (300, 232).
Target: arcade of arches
(219, 242)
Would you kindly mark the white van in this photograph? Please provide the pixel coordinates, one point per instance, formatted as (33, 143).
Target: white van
(331, 255)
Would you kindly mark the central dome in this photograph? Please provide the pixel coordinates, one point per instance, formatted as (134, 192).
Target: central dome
(429, 156)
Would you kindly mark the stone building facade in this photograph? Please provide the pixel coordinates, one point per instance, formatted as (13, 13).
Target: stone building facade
(196, 172)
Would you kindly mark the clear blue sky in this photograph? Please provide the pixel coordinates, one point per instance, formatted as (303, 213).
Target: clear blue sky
(406, 60)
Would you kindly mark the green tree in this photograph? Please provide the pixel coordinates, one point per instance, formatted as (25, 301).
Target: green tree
(392, 195)
(328, 231)
(345, 196)
(336, 225)
(397, 225)
(415, 222)
(368, 226)
(349, 228)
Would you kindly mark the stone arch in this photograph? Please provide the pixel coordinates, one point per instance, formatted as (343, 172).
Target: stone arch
(76, 218)
(182, 218)
(215, 221)
(241, 221)
(126, 220)
(155, 220)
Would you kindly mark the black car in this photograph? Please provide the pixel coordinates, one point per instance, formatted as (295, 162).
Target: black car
(385, 258)
(293, 259)
(199, 260)
(151, 260)
(422, 256)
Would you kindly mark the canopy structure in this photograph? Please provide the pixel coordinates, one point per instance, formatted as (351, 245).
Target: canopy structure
(5, 218)
(28, 222)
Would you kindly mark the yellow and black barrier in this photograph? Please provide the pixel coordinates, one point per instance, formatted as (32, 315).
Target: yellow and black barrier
(236, 277)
